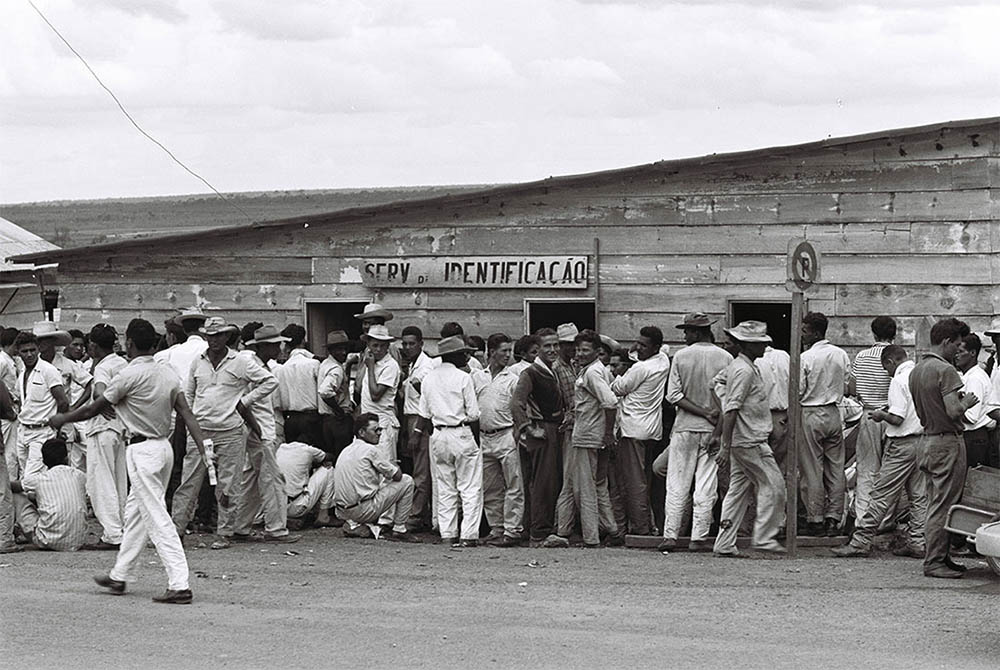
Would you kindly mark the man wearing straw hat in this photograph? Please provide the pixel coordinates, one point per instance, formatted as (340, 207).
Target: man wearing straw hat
(378, 380)
(746, 425)
(76, 380)
(334, 393)
(221, 389)
(448, 403)
(263, 485)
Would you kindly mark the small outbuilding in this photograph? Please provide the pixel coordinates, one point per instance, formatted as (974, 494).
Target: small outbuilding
(907, 222)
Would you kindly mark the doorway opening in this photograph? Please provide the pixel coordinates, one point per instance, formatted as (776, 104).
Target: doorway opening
(322, 317)
(777, 316)
(546, 313)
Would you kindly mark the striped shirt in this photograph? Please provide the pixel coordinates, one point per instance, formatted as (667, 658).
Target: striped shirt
(871, 381)
(565, 374)
(61, 500)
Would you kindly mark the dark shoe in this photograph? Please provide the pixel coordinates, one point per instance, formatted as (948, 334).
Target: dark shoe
(850, 550)
(393, 536)
(950, 562)
(116, 587)
(468, 544)
(555, 542)
(242, 537)
(909, 551)
(668, 544)
(418, 528)
(174, 597)
(943, 572)
(361, 531)
(616, 540)
(729, 554)
(287, 538)
(816, 529)
(700, 546)
(504, 541)
(100, 545)
(831, 528)
(12, 549)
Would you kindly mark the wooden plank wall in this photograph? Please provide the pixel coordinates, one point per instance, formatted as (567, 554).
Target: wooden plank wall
(908, 226)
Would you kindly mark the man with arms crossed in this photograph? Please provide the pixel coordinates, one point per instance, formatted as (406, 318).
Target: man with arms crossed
(143, 395)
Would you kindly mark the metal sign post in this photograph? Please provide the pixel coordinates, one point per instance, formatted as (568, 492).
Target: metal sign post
(803, 274)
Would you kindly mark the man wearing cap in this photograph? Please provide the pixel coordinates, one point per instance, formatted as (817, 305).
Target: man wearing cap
(298, 383)
(537, 409)
(691, 449)
(448, 403)
(107, 479)
(221, 389)
(368, 488)
(334, 393)
(566, 370)
(262, 485)
(143, 395)
(746, 424)
(824, 380)
(503, 485)
(641, 390)
(378, 379)
(42, 393)
(414, 366)
(76, 381)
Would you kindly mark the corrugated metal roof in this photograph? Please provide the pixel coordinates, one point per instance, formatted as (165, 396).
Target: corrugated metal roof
(16, 241)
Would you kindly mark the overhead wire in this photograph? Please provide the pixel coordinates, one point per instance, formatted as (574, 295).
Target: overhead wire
(132, 119)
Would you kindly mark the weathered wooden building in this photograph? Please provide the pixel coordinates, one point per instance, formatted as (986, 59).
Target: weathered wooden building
(23, 293)
(907, 221)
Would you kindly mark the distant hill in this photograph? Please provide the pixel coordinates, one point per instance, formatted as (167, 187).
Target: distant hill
(77, 223)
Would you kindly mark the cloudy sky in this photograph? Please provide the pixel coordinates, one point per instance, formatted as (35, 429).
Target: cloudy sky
(260, 94)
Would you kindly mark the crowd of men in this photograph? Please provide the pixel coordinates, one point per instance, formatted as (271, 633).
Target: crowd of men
(536, 440)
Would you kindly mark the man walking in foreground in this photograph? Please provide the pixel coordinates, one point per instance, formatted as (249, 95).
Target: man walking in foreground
(143, 395)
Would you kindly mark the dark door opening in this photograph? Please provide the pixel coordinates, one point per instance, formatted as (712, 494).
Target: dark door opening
(322, 317)
(546, 314)
(777, 316)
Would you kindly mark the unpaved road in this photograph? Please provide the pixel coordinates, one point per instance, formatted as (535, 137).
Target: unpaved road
(365, 604)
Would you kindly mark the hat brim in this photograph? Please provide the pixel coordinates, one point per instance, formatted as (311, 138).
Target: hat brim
(682, 326)
(376, 314)
(339, 343)
(766, 339)
(277, 339)
(387, 338)
(991, 333)
(61, 336)
(181, 318)
(218, 331)
(467, 350)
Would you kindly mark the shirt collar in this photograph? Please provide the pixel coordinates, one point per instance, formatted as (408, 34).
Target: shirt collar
(230, 353)
(300, 352)
(540, 362)
(816, 345)
(904, 366)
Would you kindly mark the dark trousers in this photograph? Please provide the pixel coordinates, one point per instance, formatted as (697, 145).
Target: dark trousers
(338, 432)
(630, 476)
(942, 458)
(977, 447)
(420, 511)
(304, 427)
(541, 465)
(657, 486)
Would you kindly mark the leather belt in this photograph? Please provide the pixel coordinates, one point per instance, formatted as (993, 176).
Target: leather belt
(135, 439)
(494, 432)
(461, 425)
(35, 425)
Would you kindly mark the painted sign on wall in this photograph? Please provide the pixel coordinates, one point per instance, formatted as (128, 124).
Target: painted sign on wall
(569, 272)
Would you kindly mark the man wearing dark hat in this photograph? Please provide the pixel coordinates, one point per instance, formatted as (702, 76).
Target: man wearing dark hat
(335, 405)
(690, 450)
(746, 425)
(221, 390)
(262, 483)
(448, 403)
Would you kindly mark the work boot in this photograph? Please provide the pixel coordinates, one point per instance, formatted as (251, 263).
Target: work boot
(169, 597)
(668, 544)
(116, 587)
(850, 550)
(943, 572)
(831, 528)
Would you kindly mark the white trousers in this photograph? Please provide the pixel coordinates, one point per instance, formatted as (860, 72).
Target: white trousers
(149, 463)
(689, 459)
(319, 492)
(503, 486)
(29, 453)
(9, 429)
(262, 490)
(107, 482)
(458, 468)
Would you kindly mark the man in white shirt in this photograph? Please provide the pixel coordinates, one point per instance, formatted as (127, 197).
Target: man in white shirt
(40, 387)
(53, 515)
(107, 479)
(367, 487)
(262, 486)
(774, 366)
(378, 379)
(414, 366)
(503, 484)
(448, 403)
(308, 477)
(900, 464)
(640, 417)
(334, 390)
(977, 422)
(692, 457)
(298, 384)
(824, 377)
(76, 380)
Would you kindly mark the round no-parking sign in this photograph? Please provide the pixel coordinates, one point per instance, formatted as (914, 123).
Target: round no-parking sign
(803, 265)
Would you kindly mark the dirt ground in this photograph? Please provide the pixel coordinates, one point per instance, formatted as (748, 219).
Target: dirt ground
(342, 603)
